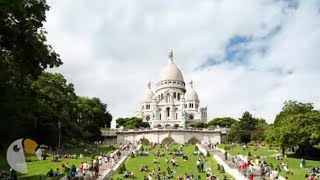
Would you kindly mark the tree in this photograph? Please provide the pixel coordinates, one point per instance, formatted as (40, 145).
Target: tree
(199, 125)
(243, 129)
(55, 102)
(297, 125)
(222, 122)
(92, 115)
(292, 107)
(24, 55)
(132, 123)
(259, 133)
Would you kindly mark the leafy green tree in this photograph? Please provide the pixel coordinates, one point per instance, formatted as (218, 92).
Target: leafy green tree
(290, 108)
(297, 125)
(56, 102)
(131, 123)
(259, 133)
(92, 115)
(243, 129)
(199, 125)
(232, 135)
(245, 126)
(24, 55)
(222, 122)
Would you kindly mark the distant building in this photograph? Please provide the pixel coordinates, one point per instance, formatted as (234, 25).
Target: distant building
(172, 105)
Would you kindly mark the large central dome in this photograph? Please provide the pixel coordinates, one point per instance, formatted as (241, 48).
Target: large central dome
(171, 71)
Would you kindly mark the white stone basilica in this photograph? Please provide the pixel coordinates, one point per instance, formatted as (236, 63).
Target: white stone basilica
(172, 105)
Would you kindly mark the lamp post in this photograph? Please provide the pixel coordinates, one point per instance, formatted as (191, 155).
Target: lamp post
(59, 126)
(105, 135)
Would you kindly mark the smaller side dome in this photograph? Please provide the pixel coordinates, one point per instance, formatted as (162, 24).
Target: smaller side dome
(191, 94)
(148, 96)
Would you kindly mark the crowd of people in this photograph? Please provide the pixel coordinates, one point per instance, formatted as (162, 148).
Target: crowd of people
(90, 169)
(170, 154)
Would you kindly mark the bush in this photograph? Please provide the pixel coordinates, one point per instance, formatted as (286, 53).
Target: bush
(222, 169)
(218, 167)
(271, 166)
(141, 148)
(122, 169)
(208, 154)
(278, 168)
(249, 154)
(196, 148)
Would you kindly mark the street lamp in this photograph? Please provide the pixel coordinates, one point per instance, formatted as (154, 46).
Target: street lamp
(59, 126)
(105, 131)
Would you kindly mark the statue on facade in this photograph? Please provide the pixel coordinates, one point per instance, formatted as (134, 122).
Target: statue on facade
(153, 115)
(182, 114)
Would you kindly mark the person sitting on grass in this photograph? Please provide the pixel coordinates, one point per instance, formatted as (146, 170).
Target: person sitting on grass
(55, 159)
(73, 170)
(128, 174)
(143, 168)
(166, 160)
(185, 157)
(155, 161)
(50, 173)
(57, 173)
(174, 161)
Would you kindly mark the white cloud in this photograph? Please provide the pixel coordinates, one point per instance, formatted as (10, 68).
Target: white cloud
(111, 49)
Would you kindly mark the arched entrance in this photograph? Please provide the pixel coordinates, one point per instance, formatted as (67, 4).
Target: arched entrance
(168, 140)
(193, 140)
(144, 141)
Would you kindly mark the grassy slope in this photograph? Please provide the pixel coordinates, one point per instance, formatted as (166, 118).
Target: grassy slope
(293, 163)
(37, 168)
(189, 167)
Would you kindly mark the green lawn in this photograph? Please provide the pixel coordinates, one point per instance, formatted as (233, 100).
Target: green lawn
(37, 169)
(189, 167)
(293, 163)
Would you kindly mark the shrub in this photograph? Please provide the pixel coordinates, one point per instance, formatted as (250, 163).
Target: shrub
(226, 148)
(278, 168)
(141, 148)
(271, 166)
(208, 154)
(122, 169)
(222, 169)
(196, 148)
(249, 154)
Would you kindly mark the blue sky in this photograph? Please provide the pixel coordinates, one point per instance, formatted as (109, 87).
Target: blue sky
(248, 55)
